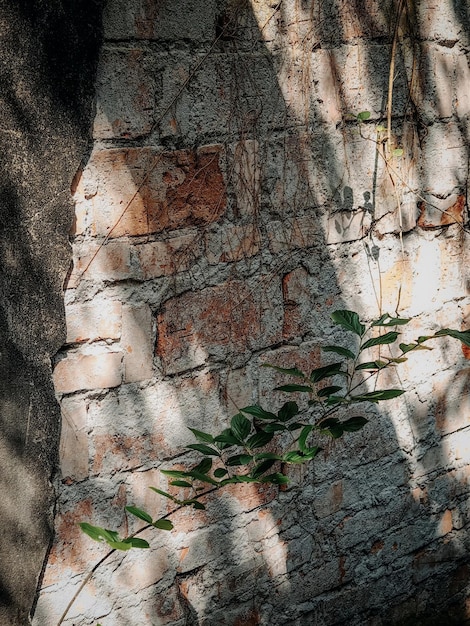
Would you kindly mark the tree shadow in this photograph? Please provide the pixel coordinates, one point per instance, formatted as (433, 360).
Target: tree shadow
(353, 529)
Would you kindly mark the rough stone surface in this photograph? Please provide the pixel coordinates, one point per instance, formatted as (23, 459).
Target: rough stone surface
(49, 56)
(231, 202)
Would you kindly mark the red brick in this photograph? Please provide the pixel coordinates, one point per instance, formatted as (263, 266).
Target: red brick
(71, 545)
(88, 371)
(144, 191)
(232, 243)
(164, 258)
(452, 393)
(93, 321)
(111, 261)
(246, 177)
(302, 232)
(137, 343)
(74, 440)
(216, 322)
(449, 212)
(297, 302)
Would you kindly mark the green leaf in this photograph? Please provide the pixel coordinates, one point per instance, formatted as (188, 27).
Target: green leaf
(119, 545)
(267, 455)
(180, 483)
(111, 537)
(163, 524)
(340, 350)
(311, 453)
(240, 426)
(204, 449)
(262, 468)
(226, 436)
(204, 466)
(389, 337)
(320, 373)
(273, 427)
(387, 320)
(293, 388)
(396, 360)
(327, 391)
(204, 478)
(202, 436)
(349, 320)
(306, 430)
(198, 505)
(333, 427)
(363, 115)
(94, 532)
(239, 459)
(136, 542)
(461, 335)
(371, 365)
(294, 456)
(259, 440)
(259, 412)
(172, 474)
(220, 472)
(332, 400)
(353, 424)
(295, 426)
(398, 152)
(290, 371)
(194, 503)
(164, 493)
(376, 396)
(287, 411)
(141, 514)
(276, 479)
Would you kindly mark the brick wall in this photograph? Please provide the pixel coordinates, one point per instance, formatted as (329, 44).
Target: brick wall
(231, 202)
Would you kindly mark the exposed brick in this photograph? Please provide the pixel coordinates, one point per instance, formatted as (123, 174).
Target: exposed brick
(137, 343)
(71, 547)
(143, 190)
(233, 243)
(462, 103)
(111, 262)
(238, 390)
(122, 453)
(297, 302)
(246, 177)
(436, 73)
(73, 449)
(348, 225)
(452, 395)
(397, 286)
(441, 212)
(88, 371)
(301, 232)
(164, 258)
(445, 524)
(216, 322)
(329, 499)
(87, 322)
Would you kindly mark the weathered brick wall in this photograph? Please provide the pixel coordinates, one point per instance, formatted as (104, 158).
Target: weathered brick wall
(231, 202)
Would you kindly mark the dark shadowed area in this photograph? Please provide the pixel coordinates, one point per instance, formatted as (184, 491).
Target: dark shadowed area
(49, 55)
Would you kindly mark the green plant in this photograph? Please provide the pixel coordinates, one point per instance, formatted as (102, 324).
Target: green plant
(259, 442)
